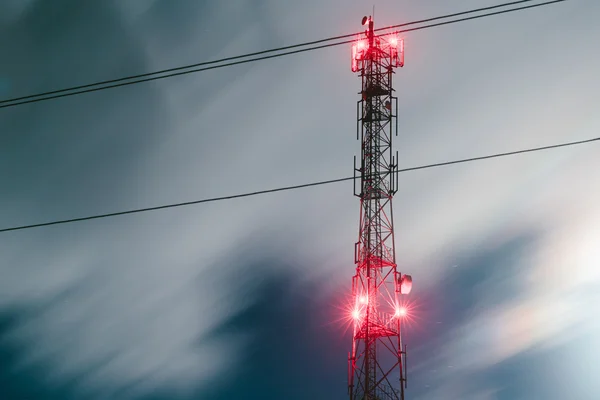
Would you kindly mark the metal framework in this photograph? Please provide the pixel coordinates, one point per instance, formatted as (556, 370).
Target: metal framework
(377, 363)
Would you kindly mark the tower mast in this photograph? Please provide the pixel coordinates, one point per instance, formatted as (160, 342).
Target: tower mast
(377, 362)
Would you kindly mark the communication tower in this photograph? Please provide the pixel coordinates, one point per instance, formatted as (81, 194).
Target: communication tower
(377, 362)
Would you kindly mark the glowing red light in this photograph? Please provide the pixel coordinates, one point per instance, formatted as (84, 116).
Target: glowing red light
(364, 299)
(394, 41)
(405, 284)
(359, 50)
(401, 311)
(355, 314)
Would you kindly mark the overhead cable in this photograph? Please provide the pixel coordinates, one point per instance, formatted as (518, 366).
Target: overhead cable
(253, 57)
(294, 187)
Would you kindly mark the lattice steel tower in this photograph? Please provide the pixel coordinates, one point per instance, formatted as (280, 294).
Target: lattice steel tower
(377, 363)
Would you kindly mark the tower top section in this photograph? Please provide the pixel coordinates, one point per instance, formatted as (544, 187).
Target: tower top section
(387, 48)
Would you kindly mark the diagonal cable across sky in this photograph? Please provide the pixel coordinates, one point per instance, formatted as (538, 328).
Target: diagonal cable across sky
(295, 187)
(264, 54)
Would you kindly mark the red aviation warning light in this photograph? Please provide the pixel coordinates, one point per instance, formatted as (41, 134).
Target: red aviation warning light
(389, 46)
(400, 312)
(404, 285)
(393, 48)
(359, 53)
(397, 50)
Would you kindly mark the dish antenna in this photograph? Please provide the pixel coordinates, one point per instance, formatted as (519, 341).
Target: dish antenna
(364, 20)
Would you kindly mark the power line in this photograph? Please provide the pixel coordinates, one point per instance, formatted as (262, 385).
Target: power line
(221, 63)
(258, 53)
(474, 11)
(286, 188)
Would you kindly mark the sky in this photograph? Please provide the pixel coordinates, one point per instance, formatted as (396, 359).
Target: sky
(239, 299)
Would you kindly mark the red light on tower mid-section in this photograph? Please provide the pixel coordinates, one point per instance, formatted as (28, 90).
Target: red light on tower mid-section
(401, 312)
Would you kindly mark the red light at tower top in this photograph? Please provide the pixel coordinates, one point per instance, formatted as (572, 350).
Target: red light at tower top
(371, 47)
(392, 48)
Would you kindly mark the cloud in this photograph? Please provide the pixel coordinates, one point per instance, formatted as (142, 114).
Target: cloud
(157, 303)
(12, 10)
(269, 334)
(98, 308)
(490, 309)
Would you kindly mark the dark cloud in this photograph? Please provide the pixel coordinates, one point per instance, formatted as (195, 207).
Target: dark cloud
(462, 290)
(76, 154)
(68, 155)
(19, 384)
(290, 354)
(556, 373)
(291, 350)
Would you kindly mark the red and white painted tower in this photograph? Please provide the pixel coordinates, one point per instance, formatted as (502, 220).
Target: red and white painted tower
(377, 363)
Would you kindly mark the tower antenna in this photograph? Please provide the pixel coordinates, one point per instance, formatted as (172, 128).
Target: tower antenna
(377, 361)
